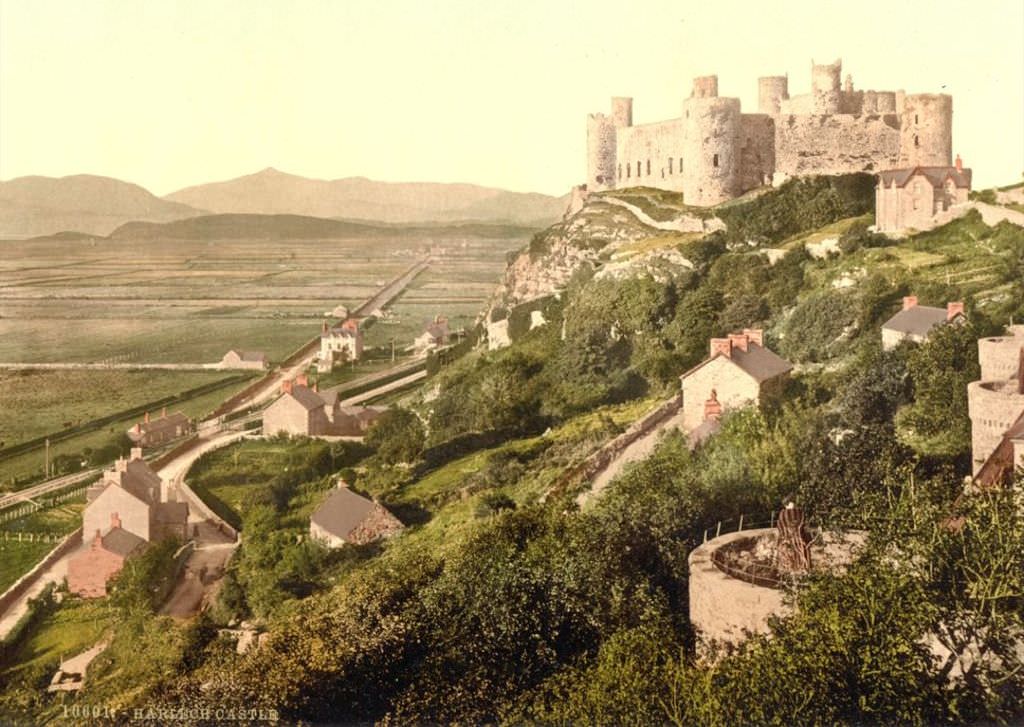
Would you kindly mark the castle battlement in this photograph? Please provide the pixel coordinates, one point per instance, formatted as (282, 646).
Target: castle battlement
(714, 151)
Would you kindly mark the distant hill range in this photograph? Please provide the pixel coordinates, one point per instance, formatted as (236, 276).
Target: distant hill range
(31, 206)
(46, 206)
(358, 198)
(295, 227)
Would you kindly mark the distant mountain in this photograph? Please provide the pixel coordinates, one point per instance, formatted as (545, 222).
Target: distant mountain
(33, 206)
(294, 227)
(274, 192)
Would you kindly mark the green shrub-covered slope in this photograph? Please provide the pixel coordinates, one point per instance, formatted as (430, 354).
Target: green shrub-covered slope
(503, 602)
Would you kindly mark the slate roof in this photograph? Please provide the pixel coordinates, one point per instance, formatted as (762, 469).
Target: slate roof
(171, 421)
(120, 541)
(308, 398)
(342, 512)
(171, 512)
(758, 362)
(140, 480)
(936, 176)
(917, 320)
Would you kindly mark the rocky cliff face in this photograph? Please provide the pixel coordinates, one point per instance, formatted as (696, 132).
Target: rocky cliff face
(622, 233)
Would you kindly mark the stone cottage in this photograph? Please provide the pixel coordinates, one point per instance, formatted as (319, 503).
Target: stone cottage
(346, 517)
(235, 359)
(150, 433)
(996, 408)
(915, 322)
(304, 411)
(738, 372)
(912, 198)
(435, 335)
(129, 507)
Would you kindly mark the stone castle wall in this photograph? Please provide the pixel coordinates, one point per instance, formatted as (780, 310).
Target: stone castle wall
(994, 403)
(715, 152)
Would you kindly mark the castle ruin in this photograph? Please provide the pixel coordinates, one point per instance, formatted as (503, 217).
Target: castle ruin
(715, 152)
(996, 407)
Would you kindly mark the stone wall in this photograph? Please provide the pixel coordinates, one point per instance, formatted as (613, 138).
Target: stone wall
(836, 144)
(735, 389)
(712, 150)
(757, 154)
(20, 586)
(993, 408)
(723, 608)
(651, 155)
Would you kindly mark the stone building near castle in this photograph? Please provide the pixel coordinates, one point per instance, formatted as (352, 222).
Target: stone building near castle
(916, 322)
(996, 407)
(738, 372)
(714, 151)
(340, 344)
(911, 199)
(305, 411)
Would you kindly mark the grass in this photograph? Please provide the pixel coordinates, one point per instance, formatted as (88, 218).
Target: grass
(835, 230)
(17, 559)
(38, 402)
(674, 240)
(73, 627)
(59, 520)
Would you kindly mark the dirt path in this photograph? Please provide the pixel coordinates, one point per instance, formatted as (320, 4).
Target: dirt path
(381, 390)
(639, 450)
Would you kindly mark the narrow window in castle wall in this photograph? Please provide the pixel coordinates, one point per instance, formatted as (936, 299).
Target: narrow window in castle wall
(648, 167)
(670, 165)
(715, 160)
(917, 141)
(620, 171)
(639, 170)
(629, 171)
(680, 165)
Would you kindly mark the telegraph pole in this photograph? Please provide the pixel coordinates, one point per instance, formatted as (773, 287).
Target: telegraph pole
(47, 471)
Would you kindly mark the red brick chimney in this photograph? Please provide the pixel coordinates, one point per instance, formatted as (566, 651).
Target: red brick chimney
(712, 409)
(909, 302)
(138, 428)
(163, 413)
(721, 346)
(959, 163)
(146, 418)
(754, 335)
(954, 309)
(351, 324)
(739, 340)
(301, 380)
(286, 387)
(115, 520)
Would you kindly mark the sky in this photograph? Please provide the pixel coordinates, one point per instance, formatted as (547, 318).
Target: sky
(170, 93)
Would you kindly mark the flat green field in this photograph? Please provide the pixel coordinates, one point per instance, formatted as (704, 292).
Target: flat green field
(37, 402)
(17, 559)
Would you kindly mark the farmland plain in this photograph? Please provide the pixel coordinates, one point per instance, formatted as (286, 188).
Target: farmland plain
(189, 302)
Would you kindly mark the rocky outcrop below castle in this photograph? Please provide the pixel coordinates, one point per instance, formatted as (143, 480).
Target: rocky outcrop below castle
(611, 233)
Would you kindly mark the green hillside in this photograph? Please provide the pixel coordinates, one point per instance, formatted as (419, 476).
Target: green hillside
(503, 602)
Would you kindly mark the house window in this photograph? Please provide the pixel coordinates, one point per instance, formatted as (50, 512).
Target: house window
(714, 161)
(648, 167)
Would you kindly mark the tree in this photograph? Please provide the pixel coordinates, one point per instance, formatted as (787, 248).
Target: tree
(397, 436)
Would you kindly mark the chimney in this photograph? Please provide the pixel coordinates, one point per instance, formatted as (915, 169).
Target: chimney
(96, 540)
(754, 335)
(146, 418)
(115, 521)
(286, 387)
(1020, 373)
(136, 453)
(909, 302)
(954, 309)
(712, 409)
(121, 465)
(301, 380)
(323, 329)
(163, 413)
(959, 163)
(138, 427)
(721, 346)
(739, 340)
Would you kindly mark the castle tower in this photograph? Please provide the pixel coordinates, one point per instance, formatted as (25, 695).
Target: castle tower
(996, 401)
(825, 87)
(600, 153)
(926, 130)
(711, 145)
(771, 92)
(622, 111)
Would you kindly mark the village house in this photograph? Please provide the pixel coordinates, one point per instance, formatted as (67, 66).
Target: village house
(339, 344)
(915, 322)
(129, 507)
(738, 372)
(346, 517)
(435, 335)
(995, 404)
(912, 198)
(150, 433)
(304, 411)
(235, 359)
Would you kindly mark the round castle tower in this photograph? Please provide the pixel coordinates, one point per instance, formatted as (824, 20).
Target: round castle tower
(711, 145)
(995, 402)
(926, 130)
(771, 92)
(602, 144)
(825, 87)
